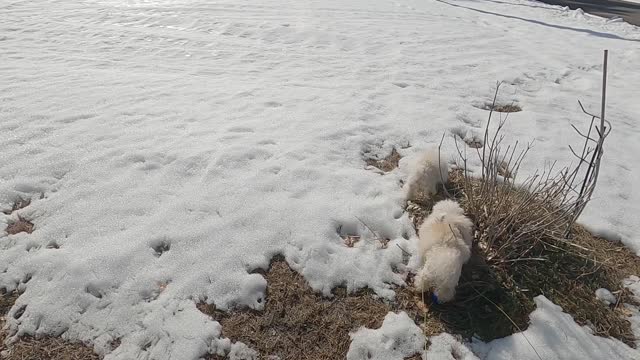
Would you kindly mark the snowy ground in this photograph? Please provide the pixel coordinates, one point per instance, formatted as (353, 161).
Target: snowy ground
(180, 144)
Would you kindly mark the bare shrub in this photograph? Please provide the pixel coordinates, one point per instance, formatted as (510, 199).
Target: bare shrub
(527, 232)
(516, 217)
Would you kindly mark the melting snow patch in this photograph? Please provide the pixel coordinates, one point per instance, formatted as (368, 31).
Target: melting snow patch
(553, 335)
(633, 283)
(398, 337)
(446, 347)
(606, 296)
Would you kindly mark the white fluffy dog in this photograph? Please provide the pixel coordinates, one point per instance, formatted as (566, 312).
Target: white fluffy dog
(444, 244)
(426, 172)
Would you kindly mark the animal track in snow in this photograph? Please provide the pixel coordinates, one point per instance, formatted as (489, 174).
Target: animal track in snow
(267, 142)
(401, 84)
(160, 246)
(240, 129)
(353, 231)
(471, 138)
(272, 104)
(94, 290)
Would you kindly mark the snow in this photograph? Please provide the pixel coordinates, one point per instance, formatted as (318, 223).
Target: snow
(446, 347)
(553, 335)
(171, 147)
(240, 351)
(606, 296)
(398, 338)
(633, 284)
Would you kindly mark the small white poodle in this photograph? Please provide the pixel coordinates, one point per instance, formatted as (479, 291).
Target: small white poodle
(425, 173)
(445, 240)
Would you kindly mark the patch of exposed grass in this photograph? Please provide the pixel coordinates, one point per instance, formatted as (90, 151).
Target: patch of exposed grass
(507, 108)
(49, 348)
(45, 348)
(388, 163)
(501, 108)
(298, 324)
(21, 225)
(6, 302)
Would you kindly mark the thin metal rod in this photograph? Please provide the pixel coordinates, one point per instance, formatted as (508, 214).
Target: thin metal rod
(604, 89)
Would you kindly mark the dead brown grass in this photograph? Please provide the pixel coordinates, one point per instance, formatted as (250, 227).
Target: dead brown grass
(22, 225)
(49, 348)
(507, 108)
(46, 348)
(473, 143)
(6, 302)
(299, 324)
(498, 107)
(388, 163)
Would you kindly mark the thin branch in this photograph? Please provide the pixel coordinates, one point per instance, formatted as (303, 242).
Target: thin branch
(583, 135)
(444, 184)
(510, 319)
(403, 250)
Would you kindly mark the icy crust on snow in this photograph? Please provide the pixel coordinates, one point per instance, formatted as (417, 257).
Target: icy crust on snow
(552, 334)
(447, 347)
(398, 338)
(179, 145)
(555, 336)
(606, 296)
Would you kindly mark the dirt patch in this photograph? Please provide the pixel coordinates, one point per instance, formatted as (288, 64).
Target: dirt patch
(299, 324)
(388, 163)
(46, 348)
(494, 297)
(22, 225)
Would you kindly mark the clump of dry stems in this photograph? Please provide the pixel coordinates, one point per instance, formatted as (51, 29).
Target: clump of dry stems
(516, 218)
(528, 242)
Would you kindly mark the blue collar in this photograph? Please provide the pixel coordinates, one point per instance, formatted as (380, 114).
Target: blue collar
(434, 298)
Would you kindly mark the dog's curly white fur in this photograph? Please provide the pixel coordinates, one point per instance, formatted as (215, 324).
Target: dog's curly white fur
(445, 240)
(425, 173)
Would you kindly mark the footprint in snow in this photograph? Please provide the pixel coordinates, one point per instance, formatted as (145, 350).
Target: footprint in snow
(272, 104)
